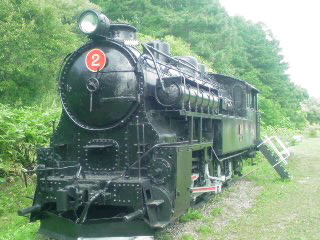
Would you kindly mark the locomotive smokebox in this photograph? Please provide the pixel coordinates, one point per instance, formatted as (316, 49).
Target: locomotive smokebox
(99, 85)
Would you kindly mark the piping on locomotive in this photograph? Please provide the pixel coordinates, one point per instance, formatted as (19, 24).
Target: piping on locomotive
(143, 135)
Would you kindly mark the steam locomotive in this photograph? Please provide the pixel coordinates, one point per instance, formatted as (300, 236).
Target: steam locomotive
(143, 136)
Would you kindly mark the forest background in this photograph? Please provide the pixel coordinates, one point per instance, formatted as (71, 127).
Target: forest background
(36, 35)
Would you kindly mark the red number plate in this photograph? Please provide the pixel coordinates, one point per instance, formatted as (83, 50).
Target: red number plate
(96, 60)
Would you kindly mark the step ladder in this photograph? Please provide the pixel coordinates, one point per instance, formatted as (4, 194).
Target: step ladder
(276, 153)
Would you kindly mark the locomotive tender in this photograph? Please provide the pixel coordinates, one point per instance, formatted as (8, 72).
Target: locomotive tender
(143, 135)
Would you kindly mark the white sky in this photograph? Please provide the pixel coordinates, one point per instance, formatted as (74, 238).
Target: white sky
(296, 24)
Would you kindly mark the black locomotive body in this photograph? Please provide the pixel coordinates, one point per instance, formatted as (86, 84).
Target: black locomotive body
(142, 137)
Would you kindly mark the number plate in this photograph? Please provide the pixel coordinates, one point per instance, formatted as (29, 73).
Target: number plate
(96, 60)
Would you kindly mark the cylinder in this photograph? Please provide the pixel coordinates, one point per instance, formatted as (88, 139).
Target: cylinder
(186, 96)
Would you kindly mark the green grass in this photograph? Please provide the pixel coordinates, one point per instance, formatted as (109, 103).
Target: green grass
(13, 198)
(313, 132)
(192, 214)
(216, 212)
(285, 209)
(205, 230)
(187, 237)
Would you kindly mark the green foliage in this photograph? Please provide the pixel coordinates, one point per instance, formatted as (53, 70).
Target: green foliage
(216, 212)
(313, 131)
(272, 114)
(187, 237)
(205, 230)
(285, 134)
(191, 215)
(311, 108)
(12, 199)
(178, 47)
(36, 36)
(229, 45)
(22, 131)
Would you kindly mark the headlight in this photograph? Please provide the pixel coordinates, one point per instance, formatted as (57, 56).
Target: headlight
(88, 22)
(94, 23)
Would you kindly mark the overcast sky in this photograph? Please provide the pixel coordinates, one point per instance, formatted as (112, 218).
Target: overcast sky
(296, 24)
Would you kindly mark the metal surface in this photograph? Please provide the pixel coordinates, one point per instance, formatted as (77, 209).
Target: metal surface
(84, 93)
(178, 94)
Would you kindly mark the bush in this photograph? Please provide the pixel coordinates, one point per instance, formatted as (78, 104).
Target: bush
(285, 134)
(36, 35)
(313, 132)
(22, 130)
(178, 47)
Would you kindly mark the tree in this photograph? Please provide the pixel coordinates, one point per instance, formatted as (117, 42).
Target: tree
(311, 108)
(230, 45)
(36, 36)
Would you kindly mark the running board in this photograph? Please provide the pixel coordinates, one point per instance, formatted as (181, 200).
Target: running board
(276, 153)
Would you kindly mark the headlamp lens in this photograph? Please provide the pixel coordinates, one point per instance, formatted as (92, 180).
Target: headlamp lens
(88, 22)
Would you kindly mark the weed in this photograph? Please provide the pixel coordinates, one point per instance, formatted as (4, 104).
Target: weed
(13, 198)
(284, 133)
(187, 237)
(216, 211)
(205, 230)
(313, 132)
(22, 131)
(191, 215)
